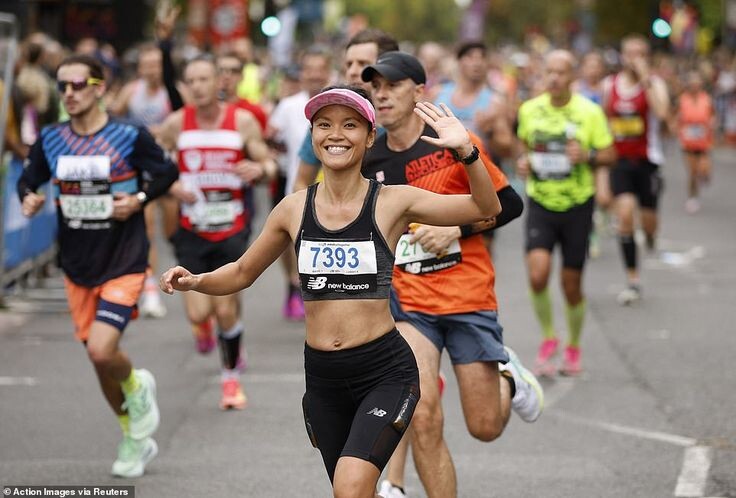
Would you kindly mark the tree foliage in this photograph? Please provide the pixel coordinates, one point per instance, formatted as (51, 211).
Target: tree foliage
(617, 19)
(416, 20)
(509, 20)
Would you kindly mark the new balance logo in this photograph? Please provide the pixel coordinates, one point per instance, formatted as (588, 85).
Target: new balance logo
(377, 412)
(316, 283)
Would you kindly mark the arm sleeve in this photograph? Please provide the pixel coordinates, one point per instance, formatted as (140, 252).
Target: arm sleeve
(170, 75)
(306, 151)
(36, 171)
(157, 170)
(511, 206)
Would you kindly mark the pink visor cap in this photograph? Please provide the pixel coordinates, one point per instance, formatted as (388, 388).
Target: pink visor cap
(341, 96)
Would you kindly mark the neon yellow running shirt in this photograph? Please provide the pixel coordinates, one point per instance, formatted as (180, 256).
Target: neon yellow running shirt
(545, 129)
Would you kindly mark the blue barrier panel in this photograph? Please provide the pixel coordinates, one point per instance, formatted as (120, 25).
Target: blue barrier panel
(25, 238)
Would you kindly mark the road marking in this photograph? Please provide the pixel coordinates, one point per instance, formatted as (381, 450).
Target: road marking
(662, 437)
(18, 381)
(694, 474)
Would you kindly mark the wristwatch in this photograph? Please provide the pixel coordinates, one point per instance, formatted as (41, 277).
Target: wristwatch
(141, 197)
(469, 159)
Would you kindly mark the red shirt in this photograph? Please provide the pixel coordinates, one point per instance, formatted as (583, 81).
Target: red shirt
(256, 110)
(207, 159)
(629, 119)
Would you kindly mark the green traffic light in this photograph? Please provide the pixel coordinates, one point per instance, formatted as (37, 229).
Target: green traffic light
(271, 26)
(661, 28)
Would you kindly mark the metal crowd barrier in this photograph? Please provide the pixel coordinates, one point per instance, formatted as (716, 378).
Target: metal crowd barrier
(25, 245)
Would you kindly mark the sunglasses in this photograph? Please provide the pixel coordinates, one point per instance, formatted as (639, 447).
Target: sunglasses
(229, 70)
(77, 85)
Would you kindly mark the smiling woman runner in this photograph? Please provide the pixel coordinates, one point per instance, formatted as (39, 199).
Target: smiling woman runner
(344, 230)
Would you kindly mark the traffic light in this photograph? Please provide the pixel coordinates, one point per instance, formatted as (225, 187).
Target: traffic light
(661, 28)
(270, 24)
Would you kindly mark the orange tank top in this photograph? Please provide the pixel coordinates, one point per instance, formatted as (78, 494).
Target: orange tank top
(695, 114)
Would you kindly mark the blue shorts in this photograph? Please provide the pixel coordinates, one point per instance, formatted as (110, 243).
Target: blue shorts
(468, 337)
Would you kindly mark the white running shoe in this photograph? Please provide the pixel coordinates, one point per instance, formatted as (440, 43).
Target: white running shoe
(630, 295)
(152, 307)
(528, 402)
(133, 456)
(142, 407)
(388, 490)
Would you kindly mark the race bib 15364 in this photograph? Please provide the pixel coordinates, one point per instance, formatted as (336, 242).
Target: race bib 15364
(84, 187)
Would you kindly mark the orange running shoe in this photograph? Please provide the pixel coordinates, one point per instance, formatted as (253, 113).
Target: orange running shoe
(232, 395)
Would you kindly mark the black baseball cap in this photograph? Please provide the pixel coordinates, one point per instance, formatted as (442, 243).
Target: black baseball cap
(396, 66)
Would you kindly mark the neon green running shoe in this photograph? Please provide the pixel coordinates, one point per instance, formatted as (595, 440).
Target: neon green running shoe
(142, 407)
(133, 456)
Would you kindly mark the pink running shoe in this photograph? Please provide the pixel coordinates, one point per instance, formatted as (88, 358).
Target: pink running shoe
(294, 307)
(232, 395)
(205, 336)
(441, 381)
(544, 366)
(571, 362)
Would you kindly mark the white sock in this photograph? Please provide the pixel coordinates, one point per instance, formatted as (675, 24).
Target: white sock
(233, 331)
(229, 374)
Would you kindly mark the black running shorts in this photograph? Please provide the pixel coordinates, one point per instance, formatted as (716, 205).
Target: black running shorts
(200, 255)
(640, 178)
(545, 228)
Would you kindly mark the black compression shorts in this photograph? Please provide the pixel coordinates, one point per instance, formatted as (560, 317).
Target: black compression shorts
(545, 228)
(359, 401)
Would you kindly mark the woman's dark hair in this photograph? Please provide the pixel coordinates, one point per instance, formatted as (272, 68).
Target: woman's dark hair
(95, 67)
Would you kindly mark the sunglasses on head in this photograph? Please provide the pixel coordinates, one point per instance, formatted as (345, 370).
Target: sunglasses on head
(77, 85)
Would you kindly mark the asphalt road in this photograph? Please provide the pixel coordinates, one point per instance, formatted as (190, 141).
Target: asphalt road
(652, 416)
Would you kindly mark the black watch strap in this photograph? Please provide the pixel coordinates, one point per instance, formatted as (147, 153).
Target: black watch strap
(470, 158)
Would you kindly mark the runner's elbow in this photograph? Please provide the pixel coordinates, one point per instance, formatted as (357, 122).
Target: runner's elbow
(493, 209)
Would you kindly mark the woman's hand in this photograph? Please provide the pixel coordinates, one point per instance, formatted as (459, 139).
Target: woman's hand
(178, 278)
(450, 130)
